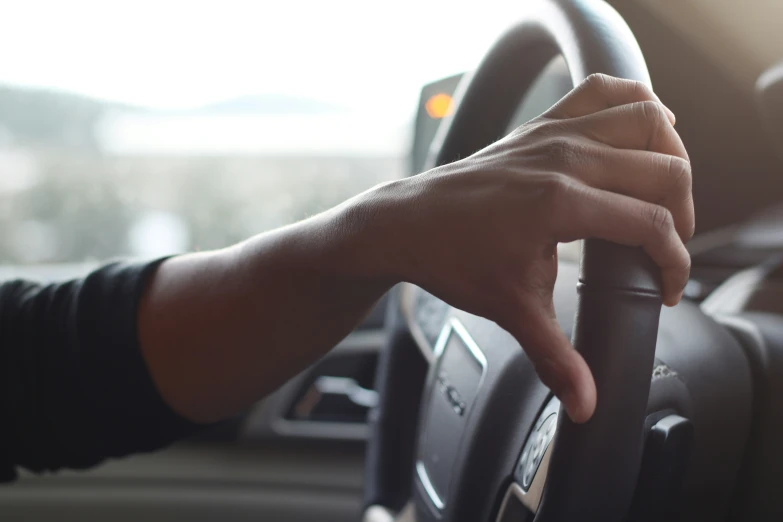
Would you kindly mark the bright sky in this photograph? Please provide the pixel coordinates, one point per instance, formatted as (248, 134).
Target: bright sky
(168, 53)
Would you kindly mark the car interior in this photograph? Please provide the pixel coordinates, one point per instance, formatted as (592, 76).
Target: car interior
(428, 413)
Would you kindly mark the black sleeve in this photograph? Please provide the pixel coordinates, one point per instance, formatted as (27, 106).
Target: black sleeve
(75, 387)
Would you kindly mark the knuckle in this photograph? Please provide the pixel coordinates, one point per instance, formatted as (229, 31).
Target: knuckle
(680, 175)
(641, 90)
(651, 112)
(681, 180)
(660, 220)
(652, 119)
(606, 85)
(596, 82)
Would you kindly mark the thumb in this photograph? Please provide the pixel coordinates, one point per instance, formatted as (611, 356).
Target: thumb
(560, 367)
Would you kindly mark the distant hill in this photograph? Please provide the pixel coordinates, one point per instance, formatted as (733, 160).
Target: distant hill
(45, 117)
(50, 118)
(269, 104)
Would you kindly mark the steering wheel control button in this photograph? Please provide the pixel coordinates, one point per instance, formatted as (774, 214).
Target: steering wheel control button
(538, 442)
(451, 394)
(666, 453)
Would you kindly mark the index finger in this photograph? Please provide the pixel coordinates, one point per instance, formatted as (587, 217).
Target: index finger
(599, 92)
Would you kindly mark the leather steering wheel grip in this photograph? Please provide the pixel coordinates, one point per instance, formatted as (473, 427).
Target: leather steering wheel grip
(594, 466)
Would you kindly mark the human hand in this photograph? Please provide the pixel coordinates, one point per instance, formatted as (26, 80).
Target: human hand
(481, 233)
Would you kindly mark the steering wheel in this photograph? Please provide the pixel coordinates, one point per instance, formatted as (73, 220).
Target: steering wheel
(491, 442)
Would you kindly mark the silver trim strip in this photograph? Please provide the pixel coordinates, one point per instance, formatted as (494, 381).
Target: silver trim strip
(454, 325)
(267, 418)
(428, 487)
(443, 338)
(348, 388)
(469, 342)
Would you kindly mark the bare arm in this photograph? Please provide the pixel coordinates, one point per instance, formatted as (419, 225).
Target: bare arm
(220, 330)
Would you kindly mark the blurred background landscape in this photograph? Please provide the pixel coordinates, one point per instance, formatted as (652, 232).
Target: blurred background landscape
(145, 128)
(83, 180)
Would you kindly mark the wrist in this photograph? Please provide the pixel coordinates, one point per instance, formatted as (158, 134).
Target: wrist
(374, 232)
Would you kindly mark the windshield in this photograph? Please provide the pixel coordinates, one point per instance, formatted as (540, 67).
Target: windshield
(151, 127)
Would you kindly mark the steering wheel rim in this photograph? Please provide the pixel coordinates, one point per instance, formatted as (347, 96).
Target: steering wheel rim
(619, 291)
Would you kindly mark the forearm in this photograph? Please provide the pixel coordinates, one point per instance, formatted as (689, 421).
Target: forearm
(220, 330)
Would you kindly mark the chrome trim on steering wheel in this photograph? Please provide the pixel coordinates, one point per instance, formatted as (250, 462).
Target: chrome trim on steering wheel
(428, 487)
(454, 325)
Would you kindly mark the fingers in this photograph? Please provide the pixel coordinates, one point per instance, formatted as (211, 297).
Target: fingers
(599, 92)
(648, 176)
(640, 125)
(586, 212)
(557, 363)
